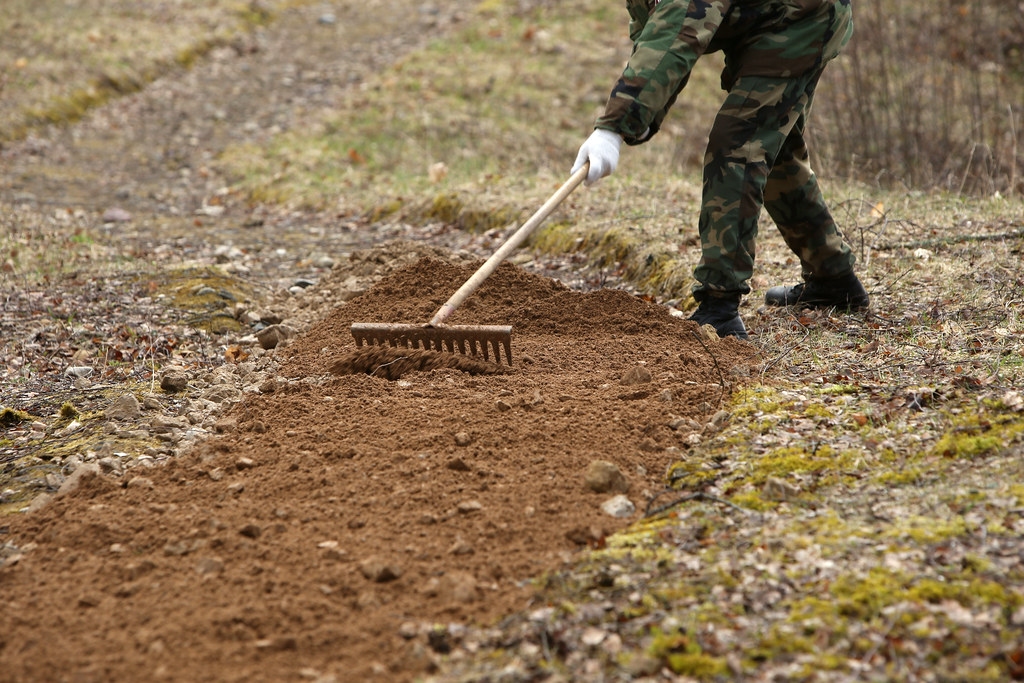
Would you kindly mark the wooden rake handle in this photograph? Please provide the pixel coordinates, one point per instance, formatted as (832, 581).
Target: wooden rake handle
(517, 238)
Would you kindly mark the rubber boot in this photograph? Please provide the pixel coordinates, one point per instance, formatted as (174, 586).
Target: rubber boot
(723, 315)
(844, 292)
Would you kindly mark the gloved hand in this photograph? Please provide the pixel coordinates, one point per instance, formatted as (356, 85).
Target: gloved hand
(602, 149)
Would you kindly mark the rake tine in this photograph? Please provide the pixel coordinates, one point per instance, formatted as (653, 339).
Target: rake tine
(481, 341)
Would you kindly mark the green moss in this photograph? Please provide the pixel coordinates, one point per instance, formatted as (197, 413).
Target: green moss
(208, 294)
(699, 665)
(781, 640)
(757, 401)
(909, 475)
(839, 390)
(1017, 491)
(691, 475)
(865, 597)
(978, 435)
(925, 530)
(751, 500)
(953, 445)
(817, 410)
(381, 211)
(790, 460)
(69, 412)
(10, 417)
(555, 238)
(684, 655)
(444, 208)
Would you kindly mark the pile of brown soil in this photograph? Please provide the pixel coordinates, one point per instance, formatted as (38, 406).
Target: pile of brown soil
(339, 516)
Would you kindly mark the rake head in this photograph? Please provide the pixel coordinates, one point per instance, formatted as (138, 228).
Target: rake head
(474, 340)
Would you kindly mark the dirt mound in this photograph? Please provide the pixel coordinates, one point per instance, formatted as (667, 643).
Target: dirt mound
(336, 518)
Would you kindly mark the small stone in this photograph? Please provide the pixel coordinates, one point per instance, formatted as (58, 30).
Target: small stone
(89, 600)
(460, 547)
(460, 586)
(432, 588)
(124, 408)
(39, 502)
(109, 465)
(251, 531)
(273, 336)
(116, 214)
(604, 477)
(502, 406)
(719, 419)
(586, 535)
(165, 425)
(645, 665)
(245, 463)
(408, 630)
(619, 507)
(271, 318)
(209, 566)
(78, 371)
(144, 483)
(75, 478)
(636, 375)
(458, 465)
(221, 393)
(277, 644)
(778, 490)
(468, 506)
(463, 439)
(379, 571)
(335, 554)
(592, 637)
(174, 380)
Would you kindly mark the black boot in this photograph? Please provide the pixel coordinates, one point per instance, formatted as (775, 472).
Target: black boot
(721, 314)
(844, 292)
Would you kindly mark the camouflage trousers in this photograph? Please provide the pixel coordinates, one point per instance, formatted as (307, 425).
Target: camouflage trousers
(757, 156)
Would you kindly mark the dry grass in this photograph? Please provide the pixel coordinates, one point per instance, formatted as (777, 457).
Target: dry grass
(60, 59)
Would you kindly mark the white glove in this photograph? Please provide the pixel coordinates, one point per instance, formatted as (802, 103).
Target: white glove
(602, 149)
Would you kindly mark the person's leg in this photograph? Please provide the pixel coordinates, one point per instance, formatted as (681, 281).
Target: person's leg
(794, 201)
(751, 127)
(749, 131)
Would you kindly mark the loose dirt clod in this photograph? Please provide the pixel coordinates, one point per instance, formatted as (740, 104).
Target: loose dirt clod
(392, 363)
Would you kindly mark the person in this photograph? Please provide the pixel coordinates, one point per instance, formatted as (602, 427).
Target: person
(757, 155)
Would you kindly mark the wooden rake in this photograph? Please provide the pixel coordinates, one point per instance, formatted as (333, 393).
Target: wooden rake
(476, 340)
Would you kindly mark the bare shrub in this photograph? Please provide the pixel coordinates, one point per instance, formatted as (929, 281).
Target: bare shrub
(929, 95)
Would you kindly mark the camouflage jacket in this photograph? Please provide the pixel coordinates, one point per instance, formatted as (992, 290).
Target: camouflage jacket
(775, 38)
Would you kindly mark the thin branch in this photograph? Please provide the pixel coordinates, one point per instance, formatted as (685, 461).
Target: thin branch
(653, 512)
